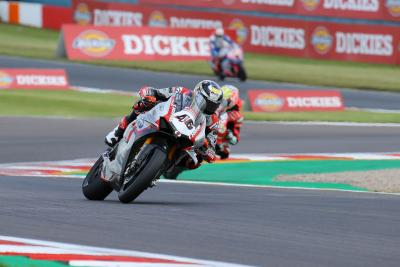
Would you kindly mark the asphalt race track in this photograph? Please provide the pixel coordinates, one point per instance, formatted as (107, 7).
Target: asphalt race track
(132, 80)
(261, 227)
(41, 139)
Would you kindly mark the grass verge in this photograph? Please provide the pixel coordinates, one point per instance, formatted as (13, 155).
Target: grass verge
(39, 43)
(334, 116)
(66, 103)
(69, 103)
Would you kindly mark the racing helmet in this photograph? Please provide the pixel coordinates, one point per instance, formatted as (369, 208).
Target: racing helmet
(219, 32)
(208, 96)
(231, 95)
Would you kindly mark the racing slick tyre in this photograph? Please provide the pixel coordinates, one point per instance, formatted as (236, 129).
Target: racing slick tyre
(150, 169)
(242, 75)
(93, 187)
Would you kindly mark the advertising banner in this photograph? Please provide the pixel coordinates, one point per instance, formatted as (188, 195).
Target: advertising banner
(363, 9)
(365, 43)
(375, 44)
(55, 79)
(135, 43)
(55, 16)
(292, 101)
(87, 12)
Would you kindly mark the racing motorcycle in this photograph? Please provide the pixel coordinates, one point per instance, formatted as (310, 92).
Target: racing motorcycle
(235, 68)
(152, 145)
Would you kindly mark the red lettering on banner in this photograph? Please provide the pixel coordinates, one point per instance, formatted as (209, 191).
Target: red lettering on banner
(291, 101)
(33, 79)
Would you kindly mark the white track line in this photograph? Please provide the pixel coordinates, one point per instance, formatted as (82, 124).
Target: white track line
(272, 187)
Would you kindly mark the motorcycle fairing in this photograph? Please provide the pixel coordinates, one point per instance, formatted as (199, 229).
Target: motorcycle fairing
(145, 124)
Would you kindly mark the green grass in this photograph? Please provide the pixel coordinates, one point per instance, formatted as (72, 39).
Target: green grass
(21, 261)
(334, 116)
(63, 103)
(26, 41)
(69, 103)
(37, 43)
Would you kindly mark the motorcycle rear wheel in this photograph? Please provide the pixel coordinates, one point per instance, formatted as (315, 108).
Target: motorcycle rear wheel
(242, 75)
(93, 187)
(152, 170)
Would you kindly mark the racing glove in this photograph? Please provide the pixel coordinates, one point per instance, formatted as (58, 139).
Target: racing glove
(144, 104)
(235, 116)
(208, 155)
(146, 91)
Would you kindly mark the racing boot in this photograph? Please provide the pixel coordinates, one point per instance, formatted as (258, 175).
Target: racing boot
(113, 137)
(222, 150)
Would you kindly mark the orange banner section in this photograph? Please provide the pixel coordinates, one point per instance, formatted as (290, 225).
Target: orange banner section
(13, 13)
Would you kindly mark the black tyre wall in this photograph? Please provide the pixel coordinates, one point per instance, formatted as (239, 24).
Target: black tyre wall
(152, 170)
(93, 187)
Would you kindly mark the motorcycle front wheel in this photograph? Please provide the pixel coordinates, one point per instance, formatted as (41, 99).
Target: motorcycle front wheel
(93, 187)
(151, 169)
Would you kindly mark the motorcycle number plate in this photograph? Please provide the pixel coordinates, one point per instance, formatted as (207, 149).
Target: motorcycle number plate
(183, 121)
